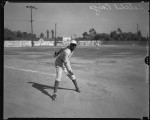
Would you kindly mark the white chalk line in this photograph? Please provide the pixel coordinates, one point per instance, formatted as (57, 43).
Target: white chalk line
(36, 72)
(29, 70)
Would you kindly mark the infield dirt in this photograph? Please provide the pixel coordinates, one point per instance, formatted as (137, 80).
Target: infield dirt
(112, 79)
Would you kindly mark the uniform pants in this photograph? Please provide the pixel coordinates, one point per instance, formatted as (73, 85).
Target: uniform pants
(59, 70)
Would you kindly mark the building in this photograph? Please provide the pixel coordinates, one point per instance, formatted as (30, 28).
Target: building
(44, 42)
(66, 40)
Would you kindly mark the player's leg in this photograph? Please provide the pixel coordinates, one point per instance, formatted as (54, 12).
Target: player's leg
(73, 78)
(57, 80)
(76, 85)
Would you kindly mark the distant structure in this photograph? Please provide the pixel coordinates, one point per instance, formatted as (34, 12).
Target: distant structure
(52, 34)
(47, 34)
(66, 40)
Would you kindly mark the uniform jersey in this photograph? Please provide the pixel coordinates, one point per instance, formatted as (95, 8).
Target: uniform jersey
(64, 56)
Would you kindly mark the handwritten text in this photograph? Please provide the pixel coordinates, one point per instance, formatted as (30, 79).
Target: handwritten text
(117, 6)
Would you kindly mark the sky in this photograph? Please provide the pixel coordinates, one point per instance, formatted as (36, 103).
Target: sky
(76, 18)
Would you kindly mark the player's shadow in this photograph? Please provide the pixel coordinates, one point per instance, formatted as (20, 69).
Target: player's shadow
(42, 88)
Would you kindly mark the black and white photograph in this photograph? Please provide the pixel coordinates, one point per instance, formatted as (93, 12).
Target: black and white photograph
(76, 60)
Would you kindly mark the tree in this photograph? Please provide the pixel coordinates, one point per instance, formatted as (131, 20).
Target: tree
(42, 35)
(8, 34)
(85, 35)
(119, 31)
(34, 35)
(113, 35)
(19, 34)
(92, 33)
(79, 38)
(25, 34)
(52, 31)
(13, 35)
(129, 36)
(133, 37)
(59, 38)
(47, 33)
(97, 37)
(139, 35)
(102, 36)
(105, 36)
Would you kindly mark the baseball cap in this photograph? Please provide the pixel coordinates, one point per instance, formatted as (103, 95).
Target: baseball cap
(73, 42)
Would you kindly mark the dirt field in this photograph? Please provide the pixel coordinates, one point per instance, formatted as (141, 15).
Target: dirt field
(112, 80)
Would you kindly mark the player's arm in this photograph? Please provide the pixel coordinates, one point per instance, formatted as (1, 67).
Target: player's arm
(57, 53)
(67, 63)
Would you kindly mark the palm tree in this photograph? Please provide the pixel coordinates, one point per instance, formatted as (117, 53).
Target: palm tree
(113, 35)
(119, 34)
(119, 31)
(42, 35)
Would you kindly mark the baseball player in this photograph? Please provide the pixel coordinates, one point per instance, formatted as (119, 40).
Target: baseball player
(97, 45)
(62, 63)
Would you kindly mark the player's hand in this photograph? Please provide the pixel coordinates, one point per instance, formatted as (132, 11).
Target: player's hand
(55, 54)
(70, 72)
(147, 60)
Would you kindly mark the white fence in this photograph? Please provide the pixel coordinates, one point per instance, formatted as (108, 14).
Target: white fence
(27, 43)
(89, 43)
(17, 43)
(41, 42)
(82, 43)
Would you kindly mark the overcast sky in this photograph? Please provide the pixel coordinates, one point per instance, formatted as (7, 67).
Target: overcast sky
(77, 18)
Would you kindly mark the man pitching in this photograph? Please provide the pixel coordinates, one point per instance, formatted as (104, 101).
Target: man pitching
(62, 63)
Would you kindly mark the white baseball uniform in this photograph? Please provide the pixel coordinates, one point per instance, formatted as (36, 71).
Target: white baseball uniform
(64, 56)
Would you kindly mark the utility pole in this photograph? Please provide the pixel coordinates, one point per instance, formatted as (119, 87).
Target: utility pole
(55, 34)
(137, 32)
(31, 7)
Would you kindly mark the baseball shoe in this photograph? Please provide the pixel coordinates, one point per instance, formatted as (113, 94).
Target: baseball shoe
(78, 90)
(54, 97)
